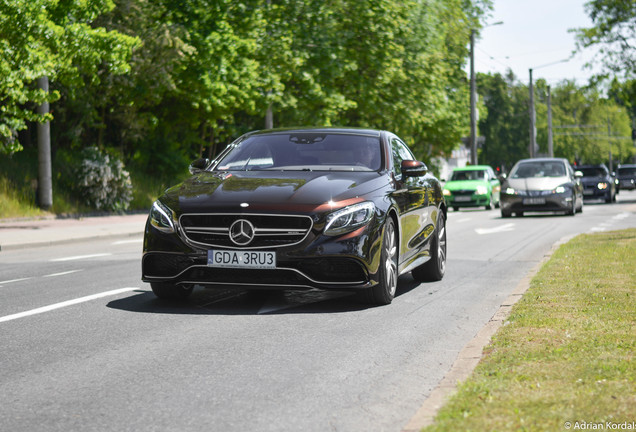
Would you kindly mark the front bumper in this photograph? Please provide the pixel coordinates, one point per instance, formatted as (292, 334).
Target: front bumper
(627, 184)
(350, 261)
(539, 202)
(473, 200)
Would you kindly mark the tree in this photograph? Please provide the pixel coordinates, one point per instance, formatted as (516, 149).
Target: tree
(54, 39)
(614, 32)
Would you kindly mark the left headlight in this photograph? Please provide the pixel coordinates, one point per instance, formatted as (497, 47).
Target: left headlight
(349, 218)
(162, 217)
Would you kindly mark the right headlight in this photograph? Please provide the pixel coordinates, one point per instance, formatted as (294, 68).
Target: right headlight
(349, 218)
(162, 217)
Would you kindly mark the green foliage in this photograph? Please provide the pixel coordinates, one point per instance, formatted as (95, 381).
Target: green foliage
(614, 33)
(54, 39)
(586, 125)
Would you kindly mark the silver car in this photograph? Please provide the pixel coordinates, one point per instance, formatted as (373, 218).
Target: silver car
(542, 185)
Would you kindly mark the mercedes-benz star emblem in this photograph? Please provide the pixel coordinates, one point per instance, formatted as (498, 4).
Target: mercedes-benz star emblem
(241, 232)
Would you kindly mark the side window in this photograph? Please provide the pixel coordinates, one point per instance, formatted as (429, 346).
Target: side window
(400, 152)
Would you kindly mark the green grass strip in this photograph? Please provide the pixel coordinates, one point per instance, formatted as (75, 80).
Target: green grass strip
(565, 358)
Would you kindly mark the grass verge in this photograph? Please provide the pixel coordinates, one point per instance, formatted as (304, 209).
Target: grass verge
(565, 358)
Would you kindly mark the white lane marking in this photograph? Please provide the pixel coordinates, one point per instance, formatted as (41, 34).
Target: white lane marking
(463, 220)
(79, 257)
(121, 242)
(502, 228)
(62, 273)
(14, 280)
(622, 216)
(65, 304)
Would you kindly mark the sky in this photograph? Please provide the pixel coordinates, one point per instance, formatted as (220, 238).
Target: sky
(534, 34)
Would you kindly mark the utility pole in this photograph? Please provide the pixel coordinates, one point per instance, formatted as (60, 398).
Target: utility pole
(473, 102)
(533, 120)
(269, 114)
(550, 142)
(609, 136)
(45, 184)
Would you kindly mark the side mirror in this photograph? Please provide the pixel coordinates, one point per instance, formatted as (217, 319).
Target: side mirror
(411, 168)
(502, 177)
(199, 165)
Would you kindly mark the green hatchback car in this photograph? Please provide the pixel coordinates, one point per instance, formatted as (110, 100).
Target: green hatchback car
(472, 186)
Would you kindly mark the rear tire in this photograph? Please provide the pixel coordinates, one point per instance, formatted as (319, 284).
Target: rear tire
(434, 269)
(384, 292)
(168, 291)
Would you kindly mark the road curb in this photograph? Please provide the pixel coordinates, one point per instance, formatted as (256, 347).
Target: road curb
(471, 354)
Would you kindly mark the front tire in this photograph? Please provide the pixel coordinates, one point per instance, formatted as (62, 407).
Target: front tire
(384, 292)
(435, 268)
(168, 291)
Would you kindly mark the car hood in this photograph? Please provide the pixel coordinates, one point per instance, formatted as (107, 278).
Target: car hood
(593, 180)
(465, 184)
(537, 183)
(294, 191)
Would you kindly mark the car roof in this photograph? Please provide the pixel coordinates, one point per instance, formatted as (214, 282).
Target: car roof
(333, 130)
(543, 160)
(472, 168)
(591, 166)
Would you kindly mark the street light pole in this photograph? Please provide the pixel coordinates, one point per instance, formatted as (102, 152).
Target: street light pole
(532, 147)
(533, 120)
(473, 97)
(473, 102)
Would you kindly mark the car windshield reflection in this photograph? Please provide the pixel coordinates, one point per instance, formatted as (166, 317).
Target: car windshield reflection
(304, 152)
(539, 169)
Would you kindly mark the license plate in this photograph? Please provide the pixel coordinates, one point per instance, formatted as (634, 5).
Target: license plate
(588, 192)
(534, 201)
(462, 199)
(241, 259)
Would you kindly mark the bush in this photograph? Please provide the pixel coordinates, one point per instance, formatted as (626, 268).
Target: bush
(102, 182)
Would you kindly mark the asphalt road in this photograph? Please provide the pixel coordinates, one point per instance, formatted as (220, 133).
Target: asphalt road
(87, 347)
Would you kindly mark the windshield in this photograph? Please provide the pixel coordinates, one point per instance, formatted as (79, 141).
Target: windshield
(593, 172)
(539, 169)
(469, 175)
(306, 151)
(627, 171)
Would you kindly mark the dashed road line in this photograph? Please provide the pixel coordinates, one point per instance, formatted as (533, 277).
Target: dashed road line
(80, 257)
(65, 304)
(13, 280)
(62, 273)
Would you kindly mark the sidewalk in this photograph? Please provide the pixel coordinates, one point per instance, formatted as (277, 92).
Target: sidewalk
(48, 231)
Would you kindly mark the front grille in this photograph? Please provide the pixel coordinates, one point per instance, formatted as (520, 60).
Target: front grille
(269, 230)
(463, 192)
(278, 277)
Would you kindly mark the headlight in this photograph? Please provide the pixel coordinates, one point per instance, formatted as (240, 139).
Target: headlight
(559, 190)
(511, 191)
(349, 218)
(602, 185)
(162, 218)
(481, 190)
(447, 192)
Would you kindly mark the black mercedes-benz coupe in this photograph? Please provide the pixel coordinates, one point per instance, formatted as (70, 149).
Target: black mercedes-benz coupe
(325, 208)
